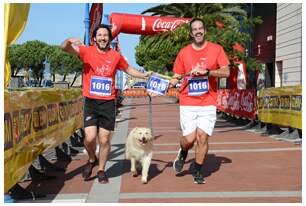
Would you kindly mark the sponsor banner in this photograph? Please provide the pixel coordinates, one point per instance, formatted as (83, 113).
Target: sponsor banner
(34, 121)
(144, 25)
(281, 106)
(241, 103)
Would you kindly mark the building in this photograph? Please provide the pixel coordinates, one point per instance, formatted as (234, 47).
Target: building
(288, 53)
(277, 43)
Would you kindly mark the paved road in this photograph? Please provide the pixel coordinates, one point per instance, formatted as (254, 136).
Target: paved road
(241, 166)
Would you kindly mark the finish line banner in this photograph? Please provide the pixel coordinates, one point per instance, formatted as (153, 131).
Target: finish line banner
(36, 120)
(281, 106)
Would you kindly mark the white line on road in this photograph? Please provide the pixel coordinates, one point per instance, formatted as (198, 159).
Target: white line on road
(238, 150)
(211, 194)
(214, 143)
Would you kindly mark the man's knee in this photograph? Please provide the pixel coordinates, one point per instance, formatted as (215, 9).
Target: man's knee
(104, 141)
(90, 135)
(202, 137)
(186, 143)
(104, 137)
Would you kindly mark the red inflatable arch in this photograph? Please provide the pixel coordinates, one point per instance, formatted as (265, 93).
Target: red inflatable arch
(143, 25)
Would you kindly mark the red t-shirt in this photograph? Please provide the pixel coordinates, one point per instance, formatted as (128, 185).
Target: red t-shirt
(211, 57)
(99, 72)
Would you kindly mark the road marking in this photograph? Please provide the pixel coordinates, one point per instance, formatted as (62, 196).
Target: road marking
(59, 198)
(238, 150)
(114, 167)
(215, 143)
(240, 194)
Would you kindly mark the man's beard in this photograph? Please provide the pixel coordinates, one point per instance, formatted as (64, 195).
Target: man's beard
(103, 48)
(199, 44)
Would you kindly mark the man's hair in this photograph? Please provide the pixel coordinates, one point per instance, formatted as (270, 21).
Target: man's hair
(94, 33)
(196, 19)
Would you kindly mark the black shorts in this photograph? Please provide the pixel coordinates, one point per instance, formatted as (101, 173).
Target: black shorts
(100, 113)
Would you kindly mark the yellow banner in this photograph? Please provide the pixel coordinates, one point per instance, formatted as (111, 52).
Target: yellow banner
(15, 19)
(34, 121)
(281, 106)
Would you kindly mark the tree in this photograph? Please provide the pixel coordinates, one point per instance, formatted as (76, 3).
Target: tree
(224, 22)
(16, 58)
(32, 54)
(70, 64)
(34, 57)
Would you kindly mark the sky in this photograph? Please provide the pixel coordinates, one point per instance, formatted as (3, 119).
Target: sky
(52, 23)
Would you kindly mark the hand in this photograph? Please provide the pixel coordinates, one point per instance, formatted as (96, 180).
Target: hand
(151, 94)
(76, 41)
(197, 72)
(172, 83)
(147, 75)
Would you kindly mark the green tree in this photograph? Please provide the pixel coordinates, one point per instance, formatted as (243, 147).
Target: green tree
(16, 58)
(233, 21)
(55, 60)
(70, 64)
(34, 57)
(32, 54)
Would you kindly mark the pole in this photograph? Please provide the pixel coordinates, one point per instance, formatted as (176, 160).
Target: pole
(86, 22)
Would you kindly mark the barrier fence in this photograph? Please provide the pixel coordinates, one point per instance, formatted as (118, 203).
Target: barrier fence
(281, 106)
(37, 120)
(34, 121)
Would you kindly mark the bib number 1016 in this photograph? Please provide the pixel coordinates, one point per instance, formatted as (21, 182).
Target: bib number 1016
(197, 86)
(101, 86)
(157, 85)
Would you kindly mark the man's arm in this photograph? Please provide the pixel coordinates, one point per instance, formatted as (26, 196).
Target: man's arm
(222, 72)
(135, 73)
(71, 46)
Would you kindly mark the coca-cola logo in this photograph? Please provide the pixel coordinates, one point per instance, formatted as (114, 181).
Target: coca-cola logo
(247, 102)
(233, 101)
(160, 25)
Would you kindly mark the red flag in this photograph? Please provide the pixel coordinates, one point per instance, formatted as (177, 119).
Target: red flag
(96, 13)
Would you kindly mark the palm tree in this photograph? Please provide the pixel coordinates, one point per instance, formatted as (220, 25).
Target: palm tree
(192, 10)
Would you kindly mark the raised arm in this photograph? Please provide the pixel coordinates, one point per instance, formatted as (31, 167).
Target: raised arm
(135, 73)
(71, 46)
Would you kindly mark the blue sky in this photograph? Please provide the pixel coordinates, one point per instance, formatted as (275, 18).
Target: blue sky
(53, 23)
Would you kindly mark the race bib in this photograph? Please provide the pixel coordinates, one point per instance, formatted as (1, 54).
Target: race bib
(157, 85)
(101, 86)
(197, 86)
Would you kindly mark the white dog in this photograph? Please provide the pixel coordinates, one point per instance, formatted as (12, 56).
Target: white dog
(139, 149)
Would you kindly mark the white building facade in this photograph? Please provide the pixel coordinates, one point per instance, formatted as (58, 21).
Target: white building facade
(288, 56)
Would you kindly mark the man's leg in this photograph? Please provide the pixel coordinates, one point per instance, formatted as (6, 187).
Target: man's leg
(188, 125)
(90, 146)
(186, 143)
(200, 153)
(90, 141)
(105, 146)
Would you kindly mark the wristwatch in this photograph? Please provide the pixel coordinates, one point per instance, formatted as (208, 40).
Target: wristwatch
(178, 77)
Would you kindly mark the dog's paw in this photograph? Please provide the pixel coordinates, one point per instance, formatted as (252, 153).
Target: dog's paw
(144, 180)
(134, 173)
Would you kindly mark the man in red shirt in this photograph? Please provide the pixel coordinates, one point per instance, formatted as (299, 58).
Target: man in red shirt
(100, 65)
(200, 64)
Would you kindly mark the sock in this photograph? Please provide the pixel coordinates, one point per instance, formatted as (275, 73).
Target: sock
(197, 167)
(184, 153)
